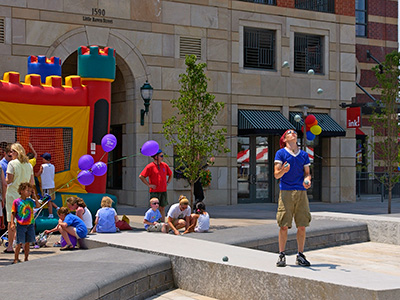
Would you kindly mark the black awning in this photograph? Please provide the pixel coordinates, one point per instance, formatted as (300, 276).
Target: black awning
(328, 125)
(262, 122)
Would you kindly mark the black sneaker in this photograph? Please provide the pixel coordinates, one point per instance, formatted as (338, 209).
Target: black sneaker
(281, 260)
(302, 261)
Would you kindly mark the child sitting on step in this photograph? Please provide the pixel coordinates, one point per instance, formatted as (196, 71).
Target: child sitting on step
(106, 217)
(69, 224)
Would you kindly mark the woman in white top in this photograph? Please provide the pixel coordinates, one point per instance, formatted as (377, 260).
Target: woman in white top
(19, 170)
(81, 210)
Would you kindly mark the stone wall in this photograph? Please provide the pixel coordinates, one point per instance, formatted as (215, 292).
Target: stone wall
(146, 36)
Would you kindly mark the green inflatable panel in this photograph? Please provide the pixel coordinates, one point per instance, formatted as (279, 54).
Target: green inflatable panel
(43, 222)
(93, 203)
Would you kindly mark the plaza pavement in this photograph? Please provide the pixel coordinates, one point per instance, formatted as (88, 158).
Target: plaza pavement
(380, 259)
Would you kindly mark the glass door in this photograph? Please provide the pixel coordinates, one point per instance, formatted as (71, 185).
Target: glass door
(254, 174)
(262, 170)
(314, 151)
(243, 165)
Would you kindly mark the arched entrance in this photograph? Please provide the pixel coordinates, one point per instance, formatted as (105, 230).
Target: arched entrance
(131, 72)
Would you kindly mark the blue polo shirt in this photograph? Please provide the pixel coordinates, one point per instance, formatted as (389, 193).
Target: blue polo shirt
(292, 180)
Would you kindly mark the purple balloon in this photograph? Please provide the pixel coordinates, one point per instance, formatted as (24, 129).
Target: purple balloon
(71, 237)
(85, 177)
(99, 168)
(85, 162)
(108, 142)
(310, 136)
(149, 148)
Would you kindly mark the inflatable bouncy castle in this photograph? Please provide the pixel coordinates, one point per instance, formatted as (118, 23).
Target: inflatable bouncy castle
(66, 120)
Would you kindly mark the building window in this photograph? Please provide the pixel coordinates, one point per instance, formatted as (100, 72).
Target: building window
(308, 53)
(327, 6)
(259, 48)
(361, 18)
(270, 2)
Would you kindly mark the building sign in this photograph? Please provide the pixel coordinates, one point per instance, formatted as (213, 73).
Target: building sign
(98, 15)
(353, 117)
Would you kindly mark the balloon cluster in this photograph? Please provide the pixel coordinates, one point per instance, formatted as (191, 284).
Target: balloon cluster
(312, 127)
(89, 167)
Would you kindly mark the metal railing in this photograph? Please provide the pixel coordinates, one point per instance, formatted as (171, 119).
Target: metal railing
(368, 184)
(327, 6)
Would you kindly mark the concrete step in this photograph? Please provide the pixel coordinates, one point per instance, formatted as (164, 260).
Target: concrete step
(103, 273)
(320, 234)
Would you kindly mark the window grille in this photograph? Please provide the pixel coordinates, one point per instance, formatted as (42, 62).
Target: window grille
(270, 2)
(2, 29)
(361, 18)
(308, 53)
(327, 6)
(259, 48)
(188, 46)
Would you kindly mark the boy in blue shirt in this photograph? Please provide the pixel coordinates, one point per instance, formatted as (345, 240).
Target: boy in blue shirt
(152, 218)
(292, 167)
(69, 224)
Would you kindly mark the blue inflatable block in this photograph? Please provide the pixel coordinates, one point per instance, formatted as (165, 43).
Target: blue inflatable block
(44, 66)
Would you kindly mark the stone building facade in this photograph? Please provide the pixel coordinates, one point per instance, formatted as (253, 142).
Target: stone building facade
(376, 36)
(151, 39)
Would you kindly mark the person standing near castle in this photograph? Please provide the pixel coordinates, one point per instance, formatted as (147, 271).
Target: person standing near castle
(47, 173)
(157, 171)
(19, 170)
(292, 167)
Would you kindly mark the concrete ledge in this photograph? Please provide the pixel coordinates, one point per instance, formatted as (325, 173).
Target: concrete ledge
(198, 267)
(103, 273)
(320, 234)
(382, 229)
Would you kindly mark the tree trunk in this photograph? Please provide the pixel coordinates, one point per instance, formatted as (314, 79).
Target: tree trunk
(390, 200)
(191, 194)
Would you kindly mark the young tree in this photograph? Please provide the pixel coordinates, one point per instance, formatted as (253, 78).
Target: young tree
(192, 131)
(385, 122)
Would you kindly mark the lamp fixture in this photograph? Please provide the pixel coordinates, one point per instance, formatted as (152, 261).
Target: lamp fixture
(146, 91)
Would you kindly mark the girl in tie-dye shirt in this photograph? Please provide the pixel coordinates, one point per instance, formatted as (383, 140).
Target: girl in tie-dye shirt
(22, 211)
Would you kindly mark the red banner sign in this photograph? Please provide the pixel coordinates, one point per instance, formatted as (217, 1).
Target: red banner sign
(353, 117)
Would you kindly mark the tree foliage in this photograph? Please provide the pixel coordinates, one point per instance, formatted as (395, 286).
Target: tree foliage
(192, 131)
(385, 122)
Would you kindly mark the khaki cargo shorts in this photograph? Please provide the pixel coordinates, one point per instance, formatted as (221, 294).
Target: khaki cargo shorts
(293, 204)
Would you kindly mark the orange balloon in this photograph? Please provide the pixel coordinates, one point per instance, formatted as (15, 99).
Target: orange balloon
(314, 123)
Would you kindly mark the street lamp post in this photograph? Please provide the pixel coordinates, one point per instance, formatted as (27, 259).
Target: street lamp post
(305, 108)
(146, 91)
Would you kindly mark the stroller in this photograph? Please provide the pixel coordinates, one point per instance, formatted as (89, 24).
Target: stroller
(44, 201)
(41, 240)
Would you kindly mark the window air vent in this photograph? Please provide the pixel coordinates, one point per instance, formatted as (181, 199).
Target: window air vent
(2, 31)
(188, 46)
